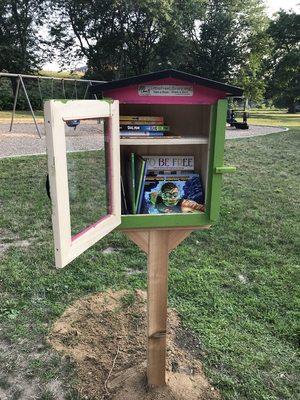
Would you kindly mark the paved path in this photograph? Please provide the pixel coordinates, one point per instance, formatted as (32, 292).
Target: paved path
(254, 130)
(25, 141)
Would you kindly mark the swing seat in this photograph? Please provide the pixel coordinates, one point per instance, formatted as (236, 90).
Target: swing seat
(73, 123)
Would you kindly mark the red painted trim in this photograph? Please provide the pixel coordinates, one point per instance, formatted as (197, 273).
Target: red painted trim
(78, 235)
(108, 154)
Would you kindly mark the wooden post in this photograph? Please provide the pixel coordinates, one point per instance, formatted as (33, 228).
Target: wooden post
(158, 254)
(157, 243)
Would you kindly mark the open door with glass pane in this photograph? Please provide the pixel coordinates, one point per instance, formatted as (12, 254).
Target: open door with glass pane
(84, 173)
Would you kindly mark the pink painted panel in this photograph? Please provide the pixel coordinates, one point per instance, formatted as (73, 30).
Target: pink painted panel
(79, 234)
(200, 94)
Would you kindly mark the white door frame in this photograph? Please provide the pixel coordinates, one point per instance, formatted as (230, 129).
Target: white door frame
(56, 112)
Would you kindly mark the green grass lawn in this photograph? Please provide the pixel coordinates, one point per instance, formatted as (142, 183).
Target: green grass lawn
(275, 118)
(21, 116)
(235, 286)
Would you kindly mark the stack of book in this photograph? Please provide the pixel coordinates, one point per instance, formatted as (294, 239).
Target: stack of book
(161, 185)
(133, 126)
(132, 184)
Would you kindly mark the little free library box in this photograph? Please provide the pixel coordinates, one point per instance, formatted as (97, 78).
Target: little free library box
(194, 109)
(160, 160)
(164, 136)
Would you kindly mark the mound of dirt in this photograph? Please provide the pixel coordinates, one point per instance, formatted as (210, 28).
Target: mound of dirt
(105, 334)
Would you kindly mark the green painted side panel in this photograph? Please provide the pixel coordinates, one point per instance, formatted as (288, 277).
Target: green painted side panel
(163, 221)
(228, 169)
(217, 142)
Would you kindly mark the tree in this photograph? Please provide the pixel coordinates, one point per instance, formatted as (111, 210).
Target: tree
(214, 42)
(90, 29)
(220, 39)
(251, 75)
(284, 66)
(142, 30)
(227, 41)
(20, 42)
(117, 37)
(174, 45)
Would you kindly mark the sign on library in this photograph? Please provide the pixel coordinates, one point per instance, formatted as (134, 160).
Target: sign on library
(165, 90)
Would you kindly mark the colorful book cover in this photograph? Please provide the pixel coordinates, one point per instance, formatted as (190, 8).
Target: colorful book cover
(170, 163)
(159, 120)
(145, 128)
(164, 194)
(141, 134)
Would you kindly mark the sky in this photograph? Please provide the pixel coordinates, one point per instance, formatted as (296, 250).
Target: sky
(272, 7)
(275, 5)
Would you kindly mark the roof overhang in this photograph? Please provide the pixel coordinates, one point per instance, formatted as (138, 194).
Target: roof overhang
(228, 90)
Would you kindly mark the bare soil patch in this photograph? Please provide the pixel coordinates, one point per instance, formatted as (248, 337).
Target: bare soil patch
(105, 335)
(19, 380)
(8, 239)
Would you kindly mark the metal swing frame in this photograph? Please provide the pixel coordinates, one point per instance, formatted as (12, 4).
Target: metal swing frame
(20, 83)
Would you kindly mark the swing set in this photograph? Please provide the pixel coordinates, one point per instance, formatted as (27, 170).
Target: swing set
(75, 94)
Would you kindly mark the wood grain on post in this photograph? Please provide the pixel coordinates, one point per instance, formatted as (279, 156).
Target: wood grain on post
(158, 255)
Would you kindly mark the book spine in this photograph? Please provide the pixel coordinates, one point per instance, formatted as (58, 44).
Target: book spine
(133, 195)
(137, 123)
(139, 206)
(140, 134)
(159, 120)
(139, 177)
(145, 128)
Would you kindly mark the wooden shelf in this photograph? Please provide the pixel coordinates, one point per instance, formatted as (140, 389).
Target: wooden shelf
(152, 141)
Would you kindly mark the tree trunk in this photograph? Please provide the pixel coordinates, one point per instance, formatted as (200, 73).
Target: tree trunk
(292, 108)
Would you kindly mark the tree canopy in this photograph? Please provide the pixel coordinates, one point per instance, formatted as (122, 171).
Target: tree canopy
(220, 39)
(21, 43)
(228, 40)
(284, 64)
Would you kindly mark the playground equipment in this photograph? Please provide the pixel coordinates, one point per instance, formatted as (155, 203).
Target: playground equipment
(20, 82)
(195, 108)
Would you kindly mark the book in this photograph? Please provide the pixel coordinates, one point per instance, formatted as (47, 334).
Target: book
(145, 128)
(130, 183)
(136, 174)
(170, 163)
(159, 120)
(165, 194)
(137, 123)
(140, 134)
(150, 137)
(124, 206)
(140, 175)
